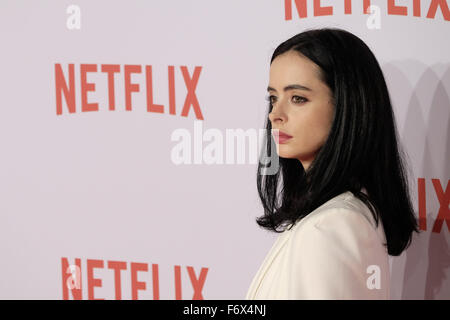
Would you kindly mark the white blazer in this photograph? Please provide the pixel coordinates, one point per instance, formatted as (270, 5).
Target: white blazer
(335, 252)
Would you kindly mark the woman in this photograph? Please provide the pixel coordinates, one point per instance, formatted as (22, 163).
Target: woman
(341, 193)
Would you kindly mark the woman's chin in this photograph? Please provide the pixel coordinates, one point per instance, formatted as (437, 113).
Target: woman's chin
(285, 153)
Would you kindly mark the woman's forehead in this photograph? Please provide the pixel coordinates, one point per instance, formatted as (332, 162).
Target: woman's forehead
(292, 68)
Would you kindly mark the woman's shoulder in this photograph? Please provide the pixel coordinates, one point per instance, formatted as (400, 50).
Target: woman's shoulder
(345, 201)
(348, 207)
(343, 216)
(333, 252)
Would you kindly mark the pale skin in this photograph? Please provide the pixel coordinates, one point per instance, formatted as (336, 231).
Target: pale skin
(306, 115)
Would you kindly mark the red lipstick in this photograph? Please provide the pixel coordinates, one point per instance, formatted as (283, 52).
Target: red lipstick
(280, 137)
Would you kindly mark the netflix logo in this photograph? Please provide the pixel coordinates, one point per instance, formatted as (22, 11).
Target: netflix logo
(65, 88)
(393, 8)
(443, 215)
(121, 272)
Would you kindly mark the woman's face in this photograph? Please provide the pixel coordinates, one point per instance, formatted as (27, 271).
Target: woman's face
(306, 114)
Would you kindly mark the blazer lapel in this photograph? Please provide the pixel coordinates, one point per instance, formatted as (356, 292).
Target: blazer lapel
(279, 243)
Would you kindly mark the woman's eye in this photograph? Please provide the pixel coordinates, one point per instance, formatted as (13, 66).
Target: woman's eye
(269, 98)
(296, 99)
(299, 100)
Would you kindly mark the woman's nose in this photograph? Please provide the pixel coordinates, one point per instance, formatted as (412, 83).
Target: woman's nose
(276, 115)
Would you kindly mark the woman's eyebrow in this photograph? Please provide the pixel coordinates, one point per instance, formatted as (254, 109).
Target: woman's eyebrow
(291, 87)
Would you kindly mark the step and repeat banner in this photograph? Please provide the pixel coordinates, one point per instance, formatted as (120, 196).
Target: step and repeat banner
(120, 123)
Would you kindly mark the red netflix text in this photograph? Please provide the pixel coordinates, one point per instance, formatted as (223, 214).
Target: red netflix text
(65, 88)
(442, 196)
(72, 279)
(392, 8)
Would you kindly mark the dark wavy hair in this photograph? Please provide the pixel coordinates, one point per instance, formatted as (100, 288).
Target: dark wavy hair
(361, 151)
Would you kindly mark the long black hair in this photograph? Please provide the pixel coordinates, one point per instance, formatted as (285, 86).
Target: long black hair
(361, 151)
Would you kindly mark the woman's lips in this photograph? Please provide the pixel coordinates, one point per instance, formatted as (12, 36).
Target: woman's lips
(280, 136)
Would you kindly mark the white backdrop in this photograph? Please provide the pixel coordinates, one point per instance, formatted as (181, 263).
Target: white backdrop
(102, 186)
